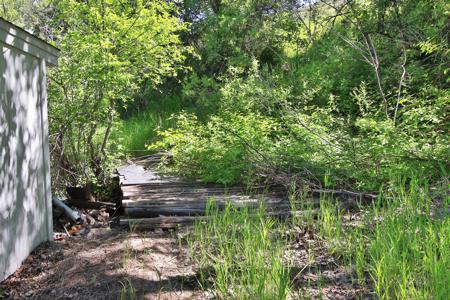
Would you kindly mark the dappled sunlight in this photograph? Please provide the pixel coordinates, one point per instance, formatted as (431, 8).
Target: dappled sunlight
(99, 265)
(25, 219)
(247, 149)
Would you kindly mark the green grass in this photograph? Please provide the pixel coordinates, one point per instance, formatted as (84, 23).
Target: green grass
(128, 291)
(133, 134)
(409, 254)
(240, 254)
(399, 248)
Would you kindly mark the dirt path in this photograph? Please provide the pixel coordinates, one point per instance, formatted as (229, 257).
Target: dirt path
(118, 264)
(107, 264)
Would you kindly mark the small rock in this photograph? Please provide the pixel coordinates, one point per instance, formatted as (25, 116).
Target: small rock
(94, 213)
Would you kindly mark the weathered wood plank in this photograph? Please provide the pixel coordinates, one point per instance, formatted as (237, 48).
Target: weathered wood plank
(141, 193)
(190, 210)
(142, 212)
(137, 196)
(148, 194)
(192, 198)
(160, 222)
(271, 201)
(178, 221)
(187, 190)
(169, 182)
(192, 186)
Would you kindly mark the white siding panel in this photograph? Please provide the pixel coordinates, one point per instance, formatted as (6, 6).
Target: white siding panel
(24, 191)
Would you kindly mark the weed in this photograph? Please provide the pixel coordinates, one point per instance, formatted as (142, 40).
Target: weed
(399, 246)
(241, 254)
(133, 134)
(128, 292)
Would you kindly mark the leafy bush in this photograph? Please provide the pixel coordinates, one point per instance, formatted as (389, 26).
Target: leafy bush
(132, 135)
(108, 50)
(353, 94)
(261, 126)
(218, 150)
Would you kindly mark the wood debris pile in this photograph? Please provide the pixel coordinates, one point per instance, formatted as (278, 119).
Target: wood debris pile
(77, 215)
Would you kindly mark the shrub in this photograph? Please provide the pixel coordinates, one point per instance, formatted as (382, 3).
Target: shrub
(216, 151)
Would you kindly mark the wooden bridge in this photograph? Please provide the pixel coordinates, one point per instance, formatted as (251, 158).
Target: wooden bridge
(153, 200)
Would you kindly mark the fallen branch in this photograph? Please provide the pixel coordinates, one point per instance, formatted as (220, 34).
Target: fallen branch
(91, 205)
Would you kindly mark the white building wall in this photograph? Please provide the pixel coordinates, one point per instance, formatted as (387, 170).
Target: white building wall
(25, 197)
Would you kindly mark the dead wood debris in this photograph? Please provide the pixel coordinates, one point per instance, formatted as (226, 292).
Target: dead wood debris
(64, 227)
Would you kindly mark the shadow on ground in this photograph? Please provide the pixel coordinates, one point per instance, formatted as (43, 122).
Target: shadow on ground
(107, 264)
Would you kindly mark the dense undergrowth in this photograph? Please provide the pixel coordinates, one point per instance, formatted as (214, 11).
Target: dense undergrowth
(135, 132)
(344, 94)
(240, 253)
(353, 103)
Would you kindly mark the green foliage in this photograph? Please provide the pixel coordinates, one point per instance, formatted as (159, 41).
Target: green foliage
(27, 14)
(258, 91)
(240, 253)
(398, 246)
(358, 91)
(401, 246)
(133, 134)
(344, 94)
(202, 92)
(108, 50)
(259, 121)
(234, 33)
(409, 254)
(215, 151)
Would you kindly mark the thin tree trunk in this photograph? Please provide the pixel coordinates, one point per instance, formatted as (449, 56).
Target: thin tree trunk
(107, 132)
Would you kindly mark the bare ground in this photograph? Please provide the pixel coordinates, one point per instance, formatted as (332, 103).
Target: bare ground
(118, 264)
(107, 264)
(317, 274)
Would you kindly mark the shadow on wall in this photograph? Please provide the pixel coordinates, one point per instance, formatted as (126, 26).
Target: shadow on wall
(23, 217)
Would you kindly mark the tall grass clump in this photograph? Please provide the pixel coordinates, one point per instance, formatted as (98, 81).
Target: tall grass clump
(329, 223)
(240, 254)
(401, 249)
(409, 255)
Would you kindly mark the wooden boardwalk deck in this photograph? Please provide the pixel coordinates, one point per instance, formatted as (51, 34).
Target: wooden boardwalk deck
(162, 201)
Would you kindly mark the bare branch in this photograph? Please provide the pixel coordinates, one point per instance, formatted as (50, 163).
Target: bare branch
(400, 85)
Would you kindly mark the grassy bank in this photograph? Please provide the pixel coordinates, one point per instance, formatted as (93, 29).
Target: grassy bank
(397, 248)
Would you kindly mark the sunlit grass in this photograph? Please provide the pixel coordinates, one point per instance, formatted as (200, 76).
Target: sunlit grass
(133, 134)
(240, 254)
(409, 254)
(399, 248)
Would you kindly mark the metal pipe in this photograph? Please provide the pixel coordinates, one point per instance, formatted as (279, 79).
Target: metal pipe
(72, 214)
